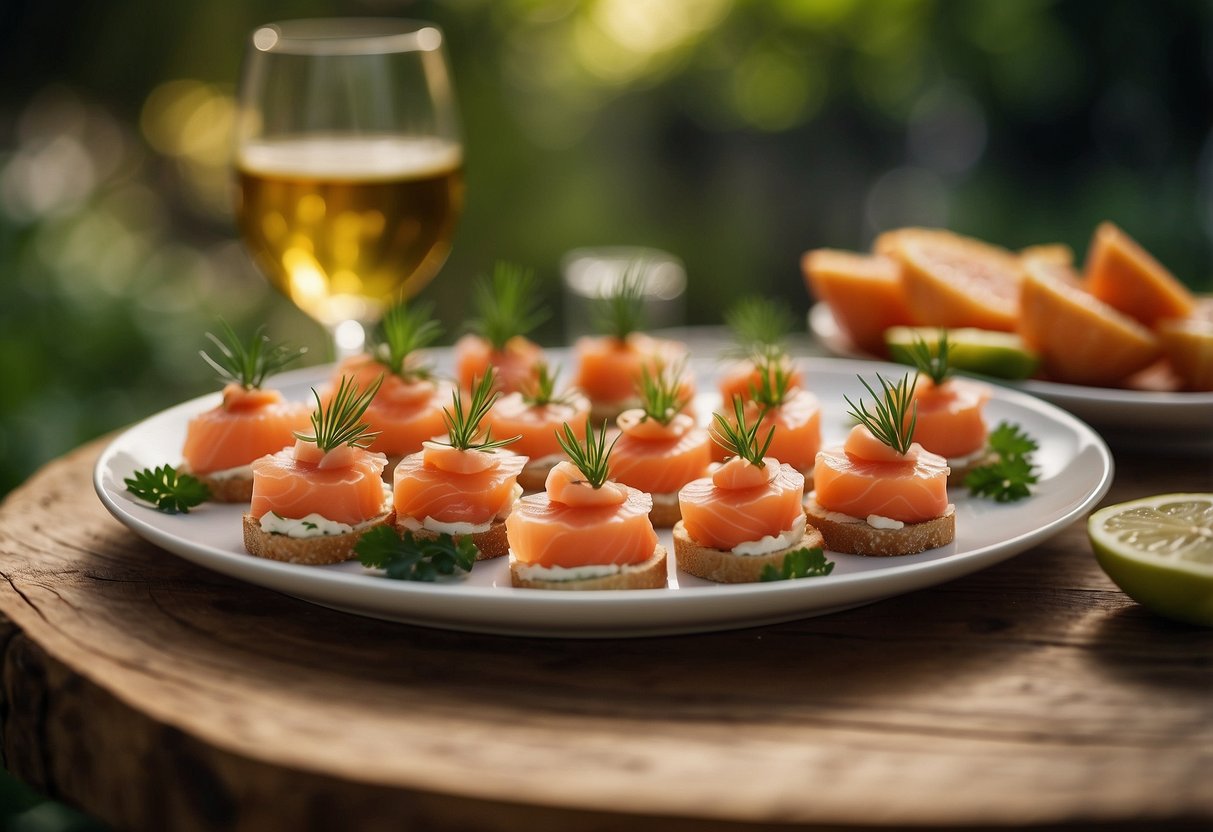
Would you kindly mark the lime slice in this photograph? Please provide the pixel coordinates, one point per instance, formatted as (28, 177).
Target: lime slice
(1159, 550)
(997, 354)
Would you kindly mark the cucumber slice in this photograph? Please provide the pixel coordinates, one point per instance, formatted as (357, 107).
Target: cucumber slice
(997, 354)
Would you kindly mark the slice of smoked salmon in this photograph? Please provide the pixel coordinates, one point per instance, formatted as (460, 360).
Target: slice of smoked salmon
(423, 490)
(536, 425)
(657, 460)
(294, 486)
(546, 533)
(740, 378)
(797, 424)
(248, 425)
(721, 518)
(848, 481)
(609, 370)
(950, 418)
(517, 363)
(404, 413)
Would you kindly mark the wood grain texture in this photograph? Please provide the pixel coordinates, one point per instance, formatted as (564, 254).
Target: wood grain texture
(155, 695)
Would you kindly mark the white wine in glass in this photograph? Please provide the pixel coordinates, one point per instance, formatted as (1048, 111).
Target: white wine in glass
(349, 164)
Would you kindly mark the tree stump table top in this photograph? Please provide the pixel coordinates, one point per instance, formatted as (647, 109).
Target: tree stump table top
(155, 694)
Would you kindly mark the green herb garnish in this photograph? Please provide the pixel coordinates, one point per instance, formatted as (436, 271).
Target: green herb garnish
(774, 380)
(338, 423)
(933, 363)
(621, 312)
(248, 364)
(739, 438)
(662, 393)
(542, 391)
(168, 490)
(410, 558)
(759, 326)
(507, 304)
(463, 425)
(889, 423)
(592, 457)
(801, 563)
(1008, 477)
(403, 331)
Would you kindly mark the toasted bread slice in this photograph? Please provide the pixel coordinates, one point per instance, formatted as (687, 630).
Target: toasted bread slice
(235, 489)
(856, 537)
(535, 475)
(649, 574)
(489, 544)
(725, 567)
(314, 551)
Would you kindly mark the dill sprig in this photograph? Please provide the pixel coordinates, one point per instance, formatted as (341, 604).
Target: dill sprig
(542, 390)
(662, 394)
(507, 304)
(759, 326)
(621, 312)
(463, 423)
(403, 331)
(933, 363)
(892, 405)
(590, 458)
(774, 380)
(339, 423)
(248, 364)
(739, 438)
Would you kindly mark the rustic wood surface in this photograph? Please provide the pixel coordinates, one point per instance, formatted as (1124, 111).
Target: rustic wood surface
(157, 695)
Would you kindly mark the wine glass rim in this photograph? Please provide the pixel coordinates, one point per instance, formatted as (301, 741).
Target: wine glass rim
(347, 36)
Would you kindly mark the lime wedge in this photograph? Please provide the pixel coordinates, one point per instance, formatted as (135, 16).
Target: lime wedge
(1159, 550)
(997, 354)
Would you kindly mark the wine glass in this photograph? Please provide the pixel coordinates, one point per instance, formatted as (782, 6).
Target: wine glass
(349, 164)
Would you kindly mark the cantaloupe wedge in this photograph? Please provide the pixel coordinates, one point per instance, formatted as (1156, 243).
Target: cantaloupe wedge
(1123, 275)
(954, 281)
(1081, 339)
(863, 291)
(1057, 253)
(1188, 345)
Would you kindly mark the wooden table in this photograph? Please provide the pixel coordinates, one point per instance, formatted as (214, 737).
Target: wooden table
(157, 695)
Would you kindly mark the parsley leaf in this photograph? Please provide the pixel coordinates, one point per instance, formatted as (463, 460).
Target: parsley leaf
(411, 558)
(1007, 478)
(801, 563)
(167, 490)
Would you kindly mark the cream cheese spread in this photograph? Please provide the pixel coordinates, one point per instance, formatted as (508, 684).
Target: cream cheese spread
(773, 543)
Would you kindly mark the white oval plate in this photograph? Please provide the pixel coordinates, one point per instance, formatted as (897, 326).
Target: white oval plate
(1075, 472)
(1165, 418)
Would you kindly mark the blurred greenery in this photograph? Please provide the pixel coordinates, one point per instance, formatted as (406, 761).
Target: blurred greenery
(733, 133)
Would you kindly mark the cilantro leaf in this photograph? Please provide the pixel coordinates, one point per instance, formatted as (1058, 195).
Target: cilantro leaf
(801, 563)
(1009, 476)
(167, 490)
(410, 558)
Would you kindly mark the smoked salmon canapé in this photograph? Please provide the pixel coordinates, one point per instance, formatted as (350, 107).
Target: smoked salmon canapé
(948, 412)
(507, 310)
(584, 531)
(881, 493)
(747, 515)
(408, 409)
(464, 485)
(658, 448)
(313, 501)
(535, 416)
(250, 422)
(760, 327)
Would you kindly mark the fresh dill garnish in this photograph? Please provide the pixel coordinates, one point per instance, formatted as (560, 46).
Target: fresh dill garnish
(403, 331)
(463, 424)
(759, 326)
(621, 312)
(739, 438)
(892, 405)
(1007, 478)
(507, 304)
(248, 364)
(168, 490)
(410, 558)
(542, 389)
(338, 423)
(932, 362)
(774, 380)
(801, 563)
(590, 458)
(662, 393)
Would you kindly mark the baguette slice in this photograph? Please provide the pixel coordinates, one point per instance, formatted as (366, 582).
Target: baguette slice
(237, 489)
(489, 544)
(725, 567)
(649, 574)
(314, 551)
(535, 474)
(666, 511)
(858, 538)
